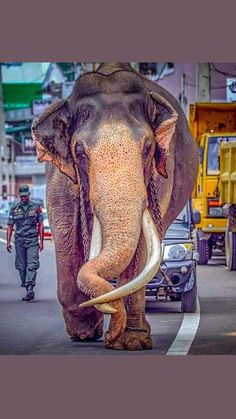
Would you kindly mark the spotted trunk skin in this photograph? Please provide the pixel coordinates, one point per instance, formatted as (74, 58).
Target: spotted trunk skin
(118, 197)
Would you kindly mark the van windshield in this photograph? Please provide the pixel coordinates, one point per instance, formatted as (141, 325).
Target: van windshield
(180, 228)
(183, 215)
(213, 150)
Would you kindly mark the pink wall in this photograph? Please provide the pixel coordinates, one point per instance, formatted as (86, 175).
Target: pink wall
(172, 82)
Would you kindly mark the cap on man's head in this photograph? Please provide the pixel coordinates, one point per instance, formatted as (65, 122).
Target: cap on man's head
(24, 190)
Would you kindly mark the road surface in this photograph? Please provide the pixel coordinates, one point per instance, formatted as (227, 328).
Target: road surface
(37, 328)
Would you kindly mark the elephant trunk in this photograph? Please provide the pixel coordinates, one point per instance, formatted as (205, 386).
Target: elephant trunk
(118, 197)
(154, 255)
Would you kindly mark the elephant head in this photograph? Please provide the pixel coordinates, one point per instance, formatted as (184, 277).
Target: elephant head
(126, 143)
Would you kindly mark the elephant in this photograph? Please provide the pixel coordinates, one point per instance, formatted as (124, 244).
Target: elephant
(120, 165)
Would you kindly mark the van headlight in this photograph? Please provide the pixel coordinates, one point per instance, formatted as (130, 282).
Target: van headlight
(178, 252)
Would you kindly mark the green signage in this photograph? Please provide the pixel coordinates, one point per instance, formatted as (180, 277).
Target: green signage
(20, 95)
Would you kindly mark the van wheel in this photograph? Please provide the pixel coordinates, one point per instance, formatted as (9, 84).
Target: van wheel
(189, 301)
(203, 249)
(230, 250)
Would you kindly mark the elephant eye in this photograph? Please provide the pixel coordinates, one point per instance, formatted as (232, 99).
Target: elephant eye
(135, 109)
(84, 113)
(153, 115)
(147, 148)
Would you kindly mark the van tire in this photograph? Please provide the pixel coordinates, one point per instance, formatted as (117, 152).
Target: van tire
(189, 301)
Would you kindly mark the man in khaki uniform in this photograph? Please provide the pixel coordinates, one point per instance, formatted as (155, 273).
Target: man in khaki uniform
(27, 217)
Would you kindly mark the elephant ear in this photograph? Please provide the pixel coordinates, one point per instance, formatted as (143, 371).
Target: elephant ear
(163, 118)
(52, 132)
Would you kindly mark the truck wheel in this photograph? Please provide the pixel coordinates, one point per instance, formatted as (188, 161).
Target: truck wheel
(189, 301)
(230, 250)
(203, 249)
(210, 248)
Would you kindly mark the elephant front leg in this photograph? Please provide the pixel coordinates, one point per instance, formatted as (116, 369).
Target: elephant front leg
(136, 335)
(82, 324)
(82, 327)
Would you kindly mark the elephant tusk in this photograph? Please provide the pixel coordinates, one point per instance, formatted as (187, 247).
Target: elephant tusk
(105, 308)
(154, 254)
(95, 250)
(96, 240)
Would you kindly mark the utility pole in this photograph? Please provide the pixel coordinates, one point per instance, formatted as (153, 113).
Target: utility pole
(183, 97)
(2, 133)
(203, 93)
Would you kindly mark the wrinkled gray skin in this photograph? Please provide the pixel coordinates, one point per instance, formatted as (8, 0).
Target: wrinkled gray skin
(64, 135)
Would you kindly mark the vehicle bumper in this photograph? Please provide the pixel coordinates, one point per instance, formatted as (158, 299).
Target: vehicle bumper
(213, 225)
(173, 278)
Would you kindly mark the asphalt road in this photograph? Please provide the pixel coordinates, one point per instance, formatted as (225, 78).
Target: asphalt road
(217, 296)
(38, 327)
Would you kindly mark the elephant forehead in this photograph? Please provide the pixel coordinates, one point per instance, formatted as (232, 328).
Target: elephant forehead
(116, 174)
(115, 157)
(119, 82)
(115, 139)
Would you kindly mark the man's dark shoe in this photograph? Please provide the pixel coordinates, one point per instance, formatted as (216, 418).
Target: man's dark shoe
(29, 296)
(23, 284)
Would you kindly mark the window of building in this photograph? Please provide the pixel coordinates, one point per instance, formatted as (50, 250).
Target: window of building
(156, 70)
(148, 68)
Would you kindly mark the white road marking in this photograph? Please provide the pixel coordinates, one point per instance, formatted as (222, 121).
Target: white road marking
(186, 333)
(4, 241)
(230, 334)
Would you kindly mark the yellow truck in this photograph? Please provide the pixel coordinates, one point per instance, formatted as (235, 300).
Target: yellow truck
(211, 124)
(227, 188)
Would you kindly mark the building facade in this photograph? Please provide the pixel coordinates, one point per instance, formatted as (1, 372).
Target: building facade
(28, 88)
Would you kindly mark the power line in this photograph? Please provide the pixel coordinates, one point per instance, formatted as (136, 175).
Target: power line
(223, 73)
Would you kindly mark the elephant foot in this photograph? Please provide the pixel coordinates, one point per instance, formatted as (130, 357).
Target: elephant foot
(131, 340)
(146, 326)
(84, 328)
